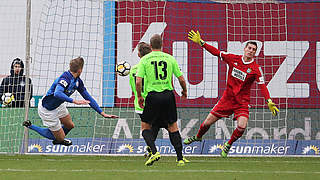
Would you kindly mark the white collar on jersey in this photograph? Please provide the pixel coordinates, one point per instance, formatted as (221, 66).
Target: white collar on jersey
(244, 62)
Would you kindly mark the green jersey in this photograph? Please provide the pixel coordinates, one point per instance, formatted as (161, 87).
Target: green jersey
(132, 82)
(157, 68)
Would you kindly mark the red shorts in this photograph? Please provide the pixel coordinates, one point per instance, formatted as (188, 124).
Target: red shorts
(226, 107)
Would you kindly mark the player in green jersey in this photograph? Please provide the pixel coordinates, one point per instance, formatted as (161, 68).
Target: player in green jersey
(143, 49)
(160, 108)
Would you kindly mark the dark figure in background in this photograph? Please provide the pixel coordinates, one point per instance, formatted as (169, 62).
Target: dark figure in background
(15, 83)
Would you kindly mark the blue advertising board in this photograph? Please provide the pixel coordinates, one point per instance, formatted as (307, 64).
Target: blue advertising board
(79, 146)
(129, 146)
(205, 147)
(310, 147)
(252, 147)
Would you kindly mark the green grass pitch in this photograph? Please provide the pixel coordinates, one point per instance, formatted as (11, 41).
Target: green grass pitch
(132, 167)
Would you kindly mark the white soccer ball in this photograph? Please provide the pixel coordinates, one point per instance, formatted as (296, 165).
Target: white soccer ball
(7, 98)
(123, 68)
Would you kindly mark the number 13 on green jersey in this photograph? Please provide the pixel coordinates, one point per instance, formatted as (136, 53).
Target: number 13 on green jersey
(157, 68)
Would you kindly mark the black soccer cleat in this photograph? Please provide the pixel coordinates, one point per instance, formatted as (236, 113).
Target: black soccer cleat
(27, 123)
(65, 142)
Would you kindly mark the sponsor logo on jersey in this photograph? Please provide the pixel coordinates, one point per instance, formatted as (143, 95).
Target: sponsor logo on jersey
(71, 91)
(237, 73)
(261, 79)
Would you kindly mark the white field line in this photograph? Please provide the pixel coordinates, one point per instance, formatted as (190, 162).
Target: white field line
(230, 160)
(163, 160)
(153, 171)
(187, 155)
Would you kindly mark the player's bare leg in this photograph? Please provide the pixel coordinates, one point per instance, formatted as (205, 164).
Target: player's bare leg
(60, 138)
(61, 133)
(67, 124)
(204, 127)
(237, 133)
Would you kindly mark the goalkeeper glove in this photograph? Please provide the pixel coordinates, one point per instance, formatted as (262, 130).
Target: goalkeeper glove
(272, 107)
(195, 37)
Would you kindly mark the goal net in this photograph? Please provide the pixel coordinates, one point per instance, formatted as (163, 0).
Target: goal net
(105, 32)
(264, 23)
(12, 30)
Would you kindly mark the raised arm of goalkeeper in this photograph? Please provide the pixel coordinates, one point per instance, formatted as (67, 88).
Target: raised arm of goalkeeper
(195, 37)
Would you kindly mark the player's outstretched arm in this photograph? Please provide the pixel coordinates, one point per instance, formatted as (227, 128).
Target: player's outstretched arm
(89, 100)
(195, 37)
(80, 102)
(183, 85)
(108, 115)
(272, 107)
(139, 89)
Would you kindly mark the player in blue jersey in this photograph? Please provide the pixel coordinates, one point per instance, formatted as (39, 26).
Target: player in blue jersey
(52, 109)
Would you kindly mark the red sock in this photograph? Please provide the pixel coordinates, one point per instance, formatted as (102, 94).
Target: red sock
(202, 130)
(237, 133)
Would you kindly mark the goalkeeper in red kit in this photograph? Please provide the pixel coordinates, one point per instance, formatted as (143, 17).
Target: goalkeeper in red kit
(242, 72)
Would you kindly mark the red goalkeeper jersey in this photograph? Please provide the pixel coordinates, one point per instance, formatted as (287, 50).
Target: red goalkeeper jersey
(241, 76)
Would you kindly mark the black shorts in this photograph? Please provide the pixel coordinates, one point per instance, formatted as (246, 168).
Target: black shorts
(160, 109)
(141, 117)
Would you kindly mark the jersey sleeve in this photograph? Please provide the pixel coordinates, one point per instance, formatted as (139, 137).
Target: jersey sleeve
(132, 75)
(216, 52)
(176, 70)
(60, 88)
(141, 69)
(93, 103)
(59, 93)
(259, 76)
(85, 94)
(226, 57)
(261, 84)
(81, 87)
(64, 82)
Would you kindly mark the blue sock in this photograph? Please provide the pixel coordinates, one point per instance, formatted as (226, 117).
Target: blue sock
(45, 132)
(66, 131)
